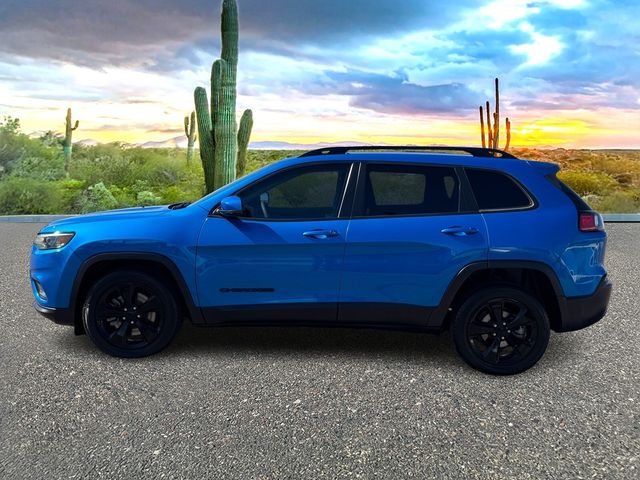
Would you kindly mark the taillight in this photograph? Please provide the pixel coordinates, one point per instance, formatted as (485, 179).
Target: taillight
(590, 222)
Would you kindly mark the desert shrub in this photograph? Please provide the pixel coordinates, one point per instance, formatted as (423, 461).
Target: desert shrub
(146, 198)
(102, 163)
(21, 196)
(617, 202)
(97, 198)
(585, 183)
(49, 165)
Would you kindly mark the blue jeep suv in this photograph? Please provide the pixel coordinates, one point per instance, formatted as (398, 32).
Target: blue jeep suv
(494, 248)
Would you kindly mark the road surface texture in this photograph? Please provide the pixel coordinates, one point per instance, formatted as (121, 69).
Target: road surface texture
(315, 403)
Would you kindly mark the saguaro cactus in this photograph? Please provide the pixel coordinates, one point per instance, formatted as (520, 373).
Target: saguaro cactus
(68, 141)
(492, 139)
(190, 132)
(219, 137)
(244, 132)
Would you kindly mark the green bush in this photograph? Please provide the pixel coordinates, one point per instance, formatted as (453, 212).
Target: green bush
(586, 183)
(147, 198)
(617, 202)
(22, 196)
(97, 198)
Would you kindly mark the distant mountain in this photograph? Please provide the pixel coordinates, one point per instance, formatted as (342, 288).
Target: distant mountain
(303, 146)
(87, 142)
(175, 142)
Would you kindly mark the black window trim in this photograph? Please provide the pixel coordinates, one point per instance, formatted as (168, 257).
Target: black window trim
(467, 205)
(533, 201)
(349, 186)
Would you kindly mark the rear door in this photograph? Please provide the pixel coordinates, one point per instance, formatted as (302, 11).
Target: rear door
(413, 228)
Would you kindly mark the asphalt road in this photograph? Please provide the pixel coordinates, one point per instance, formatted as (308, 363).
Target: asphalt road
(315, 403)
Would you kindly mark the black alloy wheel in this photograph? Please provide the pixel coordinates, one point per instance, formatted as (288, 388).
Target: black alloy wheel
(501, 330)
(130, 314)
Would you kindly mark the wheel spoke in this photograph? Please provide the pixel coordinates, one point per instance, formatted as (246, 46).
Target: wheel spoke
(492, 353)
(476, 329)
(152, 304)
(496, 310)
(119, 336)
(105, 311)
(520, 318)
(148, 330)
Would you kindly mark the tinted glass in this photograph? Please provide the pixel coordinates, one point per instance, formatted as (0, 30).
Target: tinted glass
(410, 190)
(577, 200)
(299, 193)
(496, 191)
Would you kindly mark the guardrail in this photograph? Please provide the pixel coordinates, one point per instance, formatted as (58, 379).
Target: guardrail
(608, 217)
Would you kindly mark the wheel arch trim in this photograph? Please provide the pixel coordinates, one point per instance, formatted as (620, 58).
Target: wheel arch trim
(194, 311)
(436, 320)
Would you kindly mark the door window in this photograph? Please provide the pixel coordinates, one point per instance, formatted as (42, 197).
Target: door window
(310, 192)
(496, 191)
(410, 190)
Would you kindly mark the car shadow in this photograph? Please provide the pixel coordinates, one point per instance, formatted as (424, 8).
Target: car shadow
(388, 344)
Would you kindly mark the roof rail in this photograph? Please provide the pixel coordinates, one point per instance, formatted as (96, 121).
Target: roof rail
(474, 151)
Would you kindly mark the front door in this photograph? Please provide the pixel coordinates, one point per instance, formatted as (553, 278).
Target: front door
(412, 230)
(282, 258)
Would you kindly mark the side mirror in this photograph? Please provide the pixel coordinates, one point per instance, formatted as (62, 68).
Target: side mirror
(230, 207)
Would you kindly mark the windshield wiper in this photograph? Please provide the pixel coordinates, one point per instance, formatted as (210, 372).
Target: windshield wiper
(178, 206)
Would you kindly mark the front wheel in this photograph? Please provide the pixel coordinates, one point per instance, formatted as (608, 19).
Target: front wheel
(130, 314)
(501, 330)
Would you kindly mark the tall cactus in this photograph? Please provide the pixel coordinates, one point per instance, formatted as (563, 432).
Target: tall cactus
(217, 129)
(492, 139)
(244, 132)
(190, 132)
(68, 141)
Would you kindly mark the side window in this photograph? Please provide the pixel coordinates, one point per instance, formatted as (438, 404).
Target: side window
(410, 190)
(496, 191)
(299, 193)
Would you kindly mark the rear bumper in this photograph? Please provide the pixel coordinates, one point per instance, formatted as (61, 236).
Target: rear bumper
(61, 316)
(580, 312)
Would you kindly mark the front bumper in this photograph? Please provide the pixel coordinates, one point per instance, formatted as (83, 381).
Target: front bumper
(580, 312)
(61, 316)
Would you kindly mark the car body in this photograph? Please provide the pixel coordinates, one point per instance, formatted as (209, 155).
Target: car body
(374, 239)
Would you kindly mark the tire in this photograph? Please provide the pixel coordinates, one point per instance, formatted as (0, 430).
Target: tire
(505, 347)
(130, 314)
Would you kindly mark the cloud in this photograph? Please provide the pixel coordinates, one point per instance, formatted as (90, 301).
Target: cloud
(394, 94)
(130, 32)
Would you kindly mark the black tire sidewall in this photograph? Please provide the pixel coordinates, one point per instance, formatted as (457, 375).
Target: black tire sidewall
(171, 320)
(464, 314)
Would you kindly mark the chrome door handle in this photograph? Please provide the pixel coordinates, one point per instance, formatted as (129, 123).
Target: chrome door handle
(459, 231)
(320, 234)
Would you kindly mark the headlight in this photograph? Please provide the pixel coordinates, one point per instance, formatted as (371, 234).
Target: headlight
(49, 241)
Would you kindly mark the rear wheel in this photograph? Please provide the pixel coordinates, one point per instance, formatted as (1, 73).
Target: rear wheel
(130, 314)
(501, 330)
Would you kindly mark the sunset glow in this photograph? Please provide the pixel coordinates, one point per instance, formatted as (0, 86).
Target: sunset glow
(569, 69)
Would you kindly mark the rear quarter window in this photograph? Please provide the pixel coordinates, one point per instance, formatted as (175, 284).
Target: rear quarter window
(497, 191)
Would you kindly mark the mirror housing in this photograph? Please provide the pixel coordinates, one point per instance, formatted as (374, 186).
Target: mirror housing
(230, 207)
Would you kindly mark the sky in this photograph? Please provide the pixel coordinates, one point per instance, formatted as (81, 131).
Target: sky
(374, 71)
